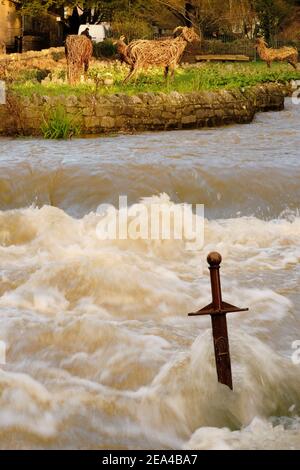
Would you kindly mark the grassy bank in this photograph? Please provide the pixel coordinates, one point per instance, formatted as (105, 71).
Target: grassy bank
(208, 76)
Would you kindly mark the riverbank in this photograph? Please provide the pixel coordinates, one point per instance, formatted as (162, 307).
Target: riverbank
(47, 77)
(67, 115)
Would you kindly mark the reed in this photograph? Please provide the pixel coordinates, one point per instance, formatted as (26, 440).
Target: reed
(58, 125)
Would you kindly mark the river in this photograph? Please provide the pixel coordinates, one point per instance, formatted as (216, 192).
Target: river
(100, 352)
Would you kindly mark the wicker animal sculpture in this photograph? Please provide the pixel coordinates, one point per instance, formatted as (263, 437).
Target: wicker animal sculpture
(122, 50)
(161, 53)
(79, 51)
(269, 55)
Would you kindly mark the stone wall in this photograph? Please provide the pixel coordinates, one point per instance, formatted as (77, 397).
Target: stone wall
(54, 53)
(143, 112)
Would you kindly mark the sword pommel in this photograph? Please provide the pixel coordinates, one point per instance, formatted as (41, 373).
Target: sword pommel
(214, 259)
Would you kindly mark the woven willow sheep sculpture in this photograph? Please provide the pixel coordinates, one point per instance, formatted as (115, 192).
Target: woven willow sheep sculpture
(79, 51)
(161, 53)
(269, 55)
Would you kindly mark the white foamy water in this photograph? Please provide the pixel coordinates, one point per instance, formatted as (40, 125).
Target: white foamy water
(100, 351)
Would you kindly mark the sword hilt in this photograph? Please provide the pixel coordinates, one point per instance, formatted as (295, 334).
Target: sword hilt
(217, 307)
(214, 260)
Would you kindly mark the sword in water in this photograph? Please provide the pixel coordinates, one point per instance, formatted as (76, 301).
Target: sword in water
(218, 311)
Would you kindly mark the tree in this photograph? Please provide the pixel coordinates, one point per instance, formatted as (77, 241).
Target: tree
(214, 17)
(91, 10)
(35, 7)
(271, 15)
(94, 10)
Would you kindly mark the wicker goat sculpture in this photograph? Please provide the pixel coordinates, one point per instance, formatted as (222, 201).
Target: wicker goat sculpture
(122, 50)
(79, 51)
(162, 53)
(269, 55)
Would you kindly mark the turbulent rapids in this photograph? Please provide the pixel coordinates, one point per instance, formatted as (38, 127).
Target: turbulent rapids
(100, 352)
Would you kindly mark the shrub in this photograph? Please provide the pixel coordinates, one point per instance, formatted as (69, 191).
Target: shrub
(105, 49)
(239, 46)
(60, 125)
(57, 76)
(131, 28)
(13, 73)
(58, 55)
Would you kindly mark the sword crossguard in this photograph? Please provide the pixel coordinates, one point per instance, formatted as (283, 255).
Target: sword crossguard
(210, 310)
(217, 307)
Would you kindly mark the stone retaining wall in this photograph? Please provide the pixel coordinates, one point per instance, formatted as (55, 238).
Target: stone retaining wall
(52, 53)
(143, 112)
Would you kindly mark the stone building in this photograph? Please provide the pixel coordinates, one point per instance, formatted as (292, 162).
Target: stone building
(42, 32)
(10, 22)
(37, 32)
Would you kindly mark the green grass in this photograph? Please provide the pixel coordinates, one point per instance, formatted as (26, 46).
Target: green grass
(209, 76)
(58, 125)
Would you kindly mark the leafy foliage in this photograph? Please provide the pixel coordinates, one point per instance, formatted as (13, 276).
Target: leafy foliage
(59, 125)
(213, 16)
(105, 49)
(271, 14)
(131, 27)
